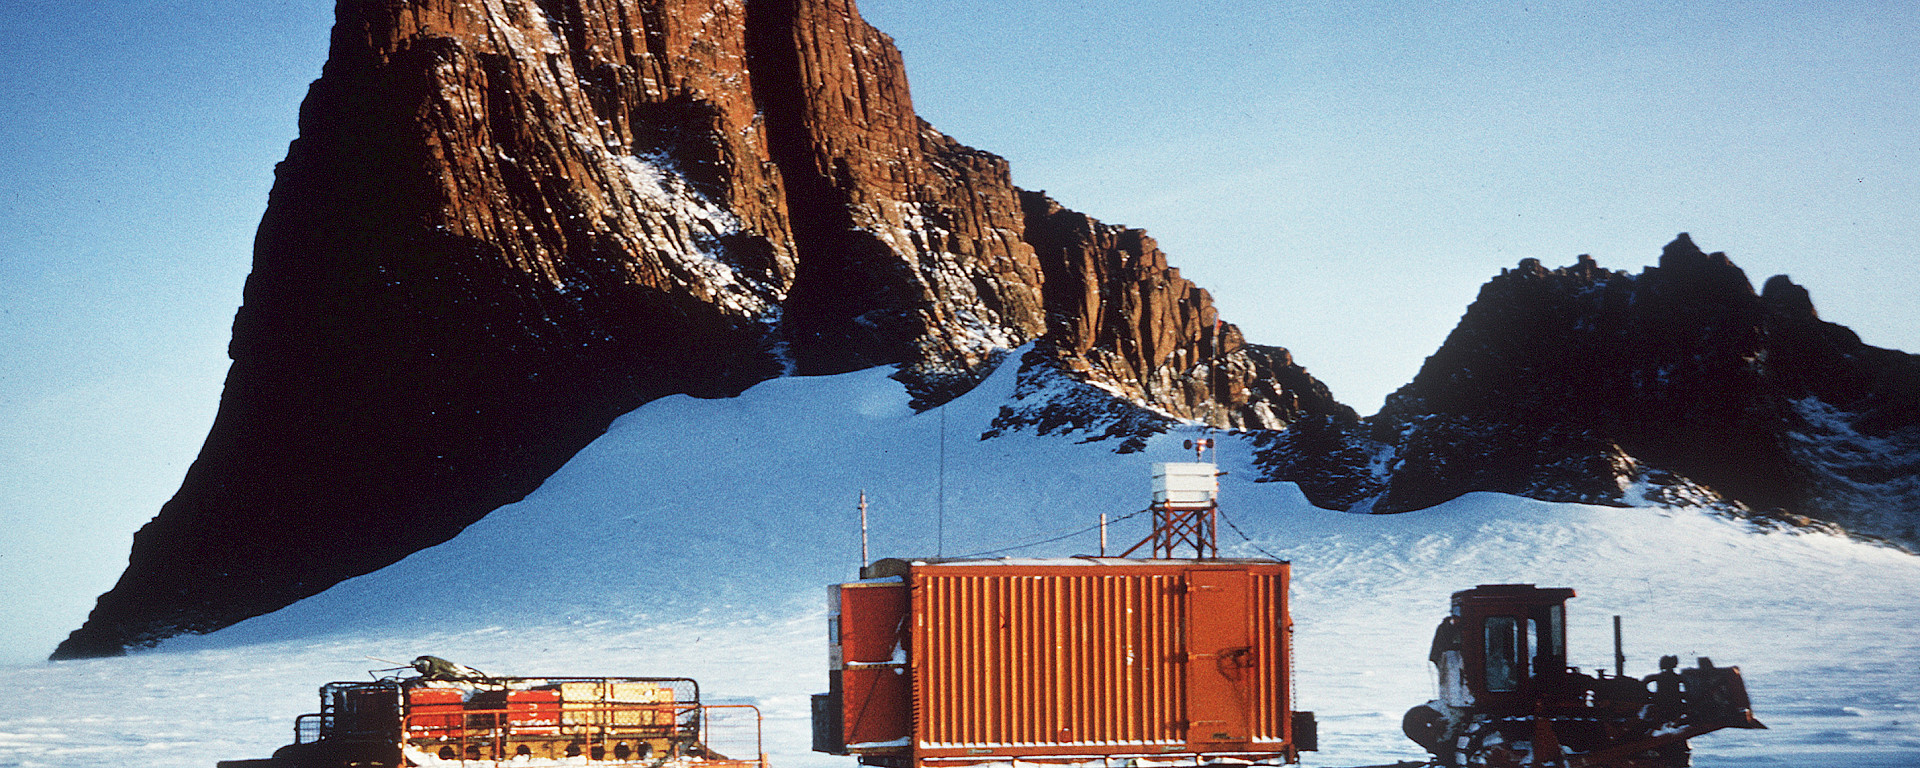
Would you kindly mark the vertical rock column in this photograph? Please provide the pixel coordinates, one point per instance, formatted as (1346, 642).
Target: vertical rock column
(910, 242)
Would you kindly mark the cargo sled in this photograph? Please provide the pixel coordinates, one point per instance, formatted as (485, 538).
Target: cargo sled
(469, 722)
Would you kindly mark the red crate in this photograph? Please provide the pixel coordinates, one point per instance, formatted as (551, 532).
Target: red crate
(435, 712)
(535, 711)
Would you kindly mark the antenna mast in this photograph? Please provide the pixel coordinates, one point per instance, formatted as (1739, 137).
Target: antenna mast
(940, 522)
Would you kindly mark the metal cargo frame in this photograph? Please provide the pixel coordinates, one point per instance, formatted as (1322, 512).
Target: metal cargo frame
(638, 722)
(1062, 660)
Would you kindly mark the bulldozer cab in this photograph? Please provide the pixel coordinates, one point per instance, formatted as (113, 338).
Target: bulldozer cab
(1512, 640)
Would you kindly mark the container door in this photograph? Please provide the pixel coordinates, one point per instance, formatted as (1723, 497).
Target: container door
(875, 689)
(1220, 657)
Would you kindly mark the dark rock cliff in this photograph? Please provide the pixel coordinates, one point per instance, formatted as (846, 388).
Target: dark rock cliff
(505, 223)
(1677, 385)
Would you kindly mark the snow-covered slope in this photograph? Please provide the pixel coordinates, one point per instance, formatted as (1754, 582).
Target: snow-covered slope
(696, 538)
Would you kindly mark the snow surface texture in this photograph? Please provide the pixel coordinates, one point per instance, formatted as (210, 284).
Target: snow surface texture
(696, 538)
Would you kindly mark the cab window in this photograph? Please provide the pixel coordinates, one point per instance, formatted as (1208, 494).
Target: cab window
(1504, 654)
(1549, 640)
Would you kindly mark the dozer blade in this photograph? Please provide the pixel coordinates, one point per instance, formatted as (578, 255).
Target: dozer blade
(1717, 697)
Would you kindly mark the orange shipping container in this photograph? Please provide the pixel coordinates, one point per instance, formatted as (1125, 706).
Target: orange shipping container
(971, 661)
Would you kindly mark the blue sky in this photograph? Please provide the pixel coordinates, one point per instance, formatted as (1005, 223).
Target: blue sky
(1342, 176)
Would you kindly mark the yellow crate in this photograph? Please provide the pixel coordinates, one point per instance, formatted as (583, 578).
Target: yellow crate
(614, 703)
(641, 693)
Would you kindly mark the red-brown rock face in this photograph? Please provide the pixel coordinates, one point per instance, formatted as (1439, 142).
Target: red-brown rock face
(1127, 322)
(582, 142)
(912, 241)
(506, 222)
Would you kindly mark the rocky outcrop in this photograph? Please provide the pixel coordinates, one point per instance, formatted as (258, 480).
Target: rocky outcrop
(505, 222)
(1121, 321)
(1677, 385)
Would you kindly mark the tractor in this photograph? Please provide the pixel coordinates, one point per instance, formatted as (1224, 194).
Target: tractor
(1508, 699)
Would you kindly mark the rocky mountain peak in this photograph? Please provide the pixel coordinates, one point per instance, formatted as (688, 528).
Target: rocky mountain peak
(506, 222)
(1788, 299)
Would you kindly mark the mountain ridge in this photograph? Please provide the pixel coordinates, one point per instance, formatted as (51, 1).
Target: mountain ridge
(1679, 385)
(506, 223)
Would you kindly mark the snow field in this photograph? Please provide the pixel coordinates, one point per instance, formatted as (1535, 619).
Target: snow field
(698, 536)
